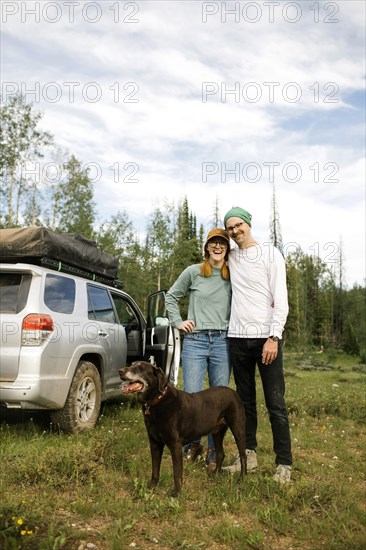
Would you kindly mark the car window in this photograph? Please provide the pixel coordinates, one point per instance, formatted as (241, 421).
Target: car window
(100, 306)
(126, 314)
(157, 314)
(14, 288)
(59, 293)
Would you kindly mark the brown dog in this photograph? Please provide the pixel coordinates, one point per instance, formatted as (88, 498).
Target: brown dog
(175, 418)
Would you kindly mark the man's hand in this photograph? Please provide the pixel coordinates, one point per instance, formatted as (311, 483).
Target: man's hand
(269, 352)
(187, 326)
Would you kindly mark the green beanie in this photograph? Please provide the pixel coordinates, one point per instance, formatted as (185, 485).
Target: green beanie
(237, 212)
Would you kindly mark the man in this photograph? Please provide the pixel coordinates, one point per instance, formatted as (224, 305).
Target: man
(258, 314)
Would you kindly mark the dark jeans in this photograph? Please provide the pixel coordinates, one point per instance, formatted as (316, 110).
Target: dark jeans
(245, 354)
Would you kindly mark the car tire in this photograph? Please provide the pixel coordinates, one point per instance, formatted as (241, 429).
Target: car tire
(82, 406)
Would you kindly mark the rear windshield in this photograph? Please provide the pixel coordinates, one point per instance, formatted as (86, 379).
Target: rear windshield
(59, 293)
(14, 288)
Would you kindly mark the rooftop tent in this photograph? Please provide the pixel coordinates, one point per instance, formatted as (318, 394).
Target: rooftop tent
(39, 245)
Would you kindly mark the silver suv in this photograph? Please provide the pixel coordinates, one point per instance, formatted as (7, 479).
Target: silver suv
(64, 338)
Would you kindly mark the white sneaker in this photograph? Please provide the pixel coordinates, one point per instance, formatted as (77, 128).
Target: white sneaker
(252, 463)
(283, 474)
(235, 466)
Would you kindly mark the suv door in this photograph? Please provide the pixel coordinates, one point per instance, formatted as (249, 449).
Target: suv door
(133, 325)
(110, 334)
(162, 340)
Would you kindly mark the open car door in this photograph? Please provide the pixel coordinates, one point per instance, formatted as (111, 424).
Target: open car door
(162, 340)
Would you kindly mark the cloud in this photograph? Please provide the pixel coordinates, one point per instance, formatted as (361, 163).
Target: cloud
(281, 92)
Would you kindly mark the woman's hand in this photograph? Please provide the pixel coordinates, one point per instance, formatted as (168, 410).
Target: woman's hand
(187, 326)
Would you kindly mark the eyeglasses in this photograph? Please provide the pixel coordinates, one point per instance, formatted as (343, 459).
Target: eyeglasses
(217, 243)
(236, 226)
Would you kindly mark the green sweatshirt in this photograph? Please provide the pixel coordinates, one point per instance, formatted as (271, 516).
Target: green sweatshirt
(209, 299)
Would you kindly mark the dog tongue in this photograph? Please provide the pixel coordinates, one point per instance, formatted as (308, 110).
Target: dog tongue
(131, 388)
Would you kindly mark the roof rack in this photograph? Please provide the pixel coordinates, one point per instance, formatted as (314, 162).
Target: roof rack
(72, 270)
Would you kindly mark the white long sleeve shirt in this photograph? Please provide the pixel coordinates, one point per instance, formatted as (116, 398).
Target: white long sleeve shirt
(259, 305)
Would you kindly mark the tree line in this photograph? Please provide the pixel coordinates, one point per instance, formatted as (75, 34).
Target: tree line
(323, 312)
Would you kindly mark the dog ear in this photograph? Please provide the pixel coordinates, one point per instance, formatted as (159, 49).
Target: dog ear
(162, 379)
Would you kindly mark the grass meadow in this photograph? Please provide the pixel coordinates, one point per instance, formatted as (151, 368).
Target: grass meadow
(89, 491)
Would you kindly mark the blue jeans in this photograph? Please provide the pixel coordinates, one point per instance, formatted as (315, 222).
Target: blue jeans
(245, 354)
(205, 351)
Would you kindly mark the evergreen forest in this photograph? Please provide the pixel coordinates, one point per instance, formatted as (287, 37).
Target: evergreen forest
(324, 313)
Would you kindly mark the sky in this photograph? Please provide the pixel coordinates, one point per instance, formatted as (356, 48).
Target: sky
(213, 101)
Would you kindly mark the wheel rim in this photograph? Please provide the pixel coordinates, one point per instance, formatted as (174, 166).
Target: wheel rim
(85, 403)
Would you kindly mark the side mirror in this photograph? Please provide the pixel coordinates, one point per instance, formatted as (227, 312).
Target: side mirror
(161, 322)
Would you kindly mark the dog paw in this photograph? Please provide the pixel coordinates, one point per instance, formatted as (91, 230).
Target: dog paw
(175, 492)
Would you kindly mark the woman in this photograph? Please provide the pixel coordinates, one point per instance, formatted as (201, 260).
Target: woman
(205, 347)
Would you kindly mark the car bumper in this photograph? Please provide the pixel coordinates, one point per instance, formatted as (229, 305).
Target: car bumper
(49, 394)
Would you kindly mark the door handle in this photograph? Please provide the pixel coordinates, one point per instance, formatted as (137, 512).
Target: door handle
(102, 334)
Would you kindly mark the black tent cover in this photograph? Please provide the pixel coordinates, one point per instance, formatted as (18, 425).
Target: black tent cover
(32, 244)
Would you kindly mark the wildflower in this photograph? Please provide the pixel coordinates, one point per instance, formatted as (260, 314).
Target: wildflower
(23, 532)
(20, 521)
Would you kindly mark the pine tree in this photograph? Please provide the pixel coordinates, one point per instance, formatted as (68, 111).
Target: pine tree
(186, 242)
(216, 219)
(339, 296)
(201, 239)
(294, 334)
(354, 307)
(275, 227)
(350, 342)
(309, 282)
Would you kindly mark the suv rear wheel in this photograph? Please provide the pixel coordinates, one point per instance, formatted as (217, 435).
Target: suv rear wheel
(82, 406)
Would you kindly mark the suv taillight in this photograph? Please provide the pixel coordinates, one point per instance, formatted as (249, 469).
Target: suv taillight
(36, 328)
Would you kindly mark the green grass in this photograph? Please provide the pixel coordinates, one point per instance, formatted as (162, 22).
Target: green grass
(64, 492)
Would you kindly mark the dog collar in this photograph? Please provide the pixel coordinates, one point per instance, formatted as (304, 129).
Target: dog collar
(153, 402)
